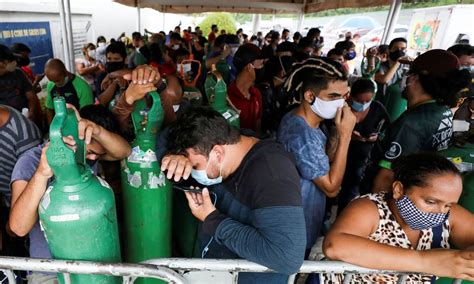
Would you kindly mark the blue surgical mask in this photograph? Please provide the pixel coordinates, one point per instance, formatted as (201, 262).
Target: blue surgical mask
(350, 55)
(358, 107)
(416, 219)
(201, 175)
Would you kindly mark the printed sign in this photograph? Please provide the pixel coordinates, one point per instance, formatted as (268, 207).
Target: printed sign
(36, 35)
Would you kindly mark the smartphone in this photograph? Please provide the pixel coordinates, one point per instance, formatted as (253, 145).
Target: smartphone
(187, 189)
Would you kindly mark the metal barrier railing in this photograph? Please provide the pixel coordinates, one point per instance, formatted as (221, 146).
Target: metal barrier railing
(176, 270)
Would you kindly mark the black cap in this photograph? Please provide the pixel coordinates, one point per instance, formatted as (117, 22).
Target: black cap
(246, 54)
(286, 46)
(6, 53)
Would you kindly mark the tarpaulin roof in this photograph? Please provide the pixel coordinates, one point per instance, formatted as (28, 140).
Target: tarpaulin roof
(250, 6)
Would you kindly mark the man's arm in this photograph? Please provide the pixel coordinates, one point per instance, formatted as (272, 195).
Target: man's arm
(106, 96)
(115, 146)
(276, 238)
(34, 107)
(331, 183)
(216, 59)
(385, 77)
(26, 196)
(84, 71)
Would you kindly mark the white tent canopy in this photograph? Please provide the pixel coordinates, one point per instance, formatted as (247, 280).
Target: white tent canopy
(300, 7)
(250, 6)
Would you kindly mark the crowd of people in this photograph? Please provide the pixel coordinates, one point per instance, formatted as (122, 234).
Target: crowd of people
(316, 132)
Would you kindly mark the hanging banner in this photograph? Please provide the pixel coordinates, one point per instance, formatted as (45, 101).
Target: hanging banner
(36, 35)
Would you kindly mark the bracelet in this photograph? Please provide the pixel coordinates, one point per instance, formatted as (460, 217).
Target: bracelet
(161, 87)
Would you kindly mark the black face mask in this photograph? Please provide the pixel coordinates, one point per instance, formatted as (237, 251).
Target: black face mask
(114, 66)
(259, 75)
(23, 61)
(394, 55)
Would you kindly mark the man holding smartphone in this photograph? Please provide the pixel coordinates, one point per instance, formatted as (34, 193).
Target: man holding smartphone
(257, 213)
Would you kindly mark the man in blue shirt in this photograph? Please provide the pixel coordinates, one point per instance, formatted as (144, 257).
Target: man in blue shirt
(322, 84)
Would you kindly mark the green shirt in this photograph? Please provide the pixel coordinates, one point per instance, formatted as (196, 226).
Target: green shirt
(425, 127)
(76, 92)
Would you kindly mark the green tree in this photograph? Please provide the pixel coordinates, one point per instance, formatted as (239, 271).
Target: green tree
(224, 21)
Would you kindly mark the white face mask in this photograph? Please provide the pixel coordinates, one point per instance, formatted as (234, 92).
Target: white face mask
(175, 47)
(100, 44)
(326, 109)
(91, 53)
(184, 67)
(176, 108)
(11, 66)
(233, 50)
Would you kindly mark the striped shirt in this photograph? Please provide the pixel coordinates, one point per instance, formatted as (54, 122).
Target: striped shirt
(16, 136)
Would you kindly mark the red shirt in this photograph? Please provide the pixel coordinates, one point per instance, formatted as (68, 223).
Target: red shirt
(28, 73)
(251, 109)
(211, 37)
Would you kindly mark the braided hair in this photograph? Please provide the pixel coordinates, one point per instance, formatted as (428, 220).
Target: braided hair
(313, 74)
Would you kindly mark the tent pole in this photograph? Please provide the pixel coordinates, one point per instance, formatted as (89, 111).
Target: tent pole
(301, 17)
(273, 19)
(387, 21)
(70, 35)
(256, 23)
(394, 20)
(64, 36)
(300, 22)
(139, 28)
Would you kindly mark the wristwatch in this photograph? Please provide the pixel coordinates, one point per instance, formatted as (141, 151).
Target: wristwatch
(162, 86)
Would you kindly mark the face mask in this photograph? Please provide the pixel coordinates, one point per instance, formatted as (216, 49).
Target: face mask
(416, 219)
(350, 55)
(403, 86)
(91, 53)
(23, 61)
(114, 66)
(255, 42)
(201, 175)
(468, 68)
(326, 109)
(11, 66)
(175, 47)
(233, 51)
(185, 68)
(259, 74)
(176, 108)
(394, 55)
(358, 107)
(100, 44)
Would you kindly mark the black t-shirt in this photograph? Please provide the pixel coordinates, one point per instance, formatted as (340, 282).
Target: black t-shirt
(375, 122)
(13, 88)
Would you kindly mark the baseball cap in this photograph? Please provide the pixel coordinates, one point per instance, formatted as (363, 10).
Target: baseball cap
(246, 54)
(6, 53)
(435, 62)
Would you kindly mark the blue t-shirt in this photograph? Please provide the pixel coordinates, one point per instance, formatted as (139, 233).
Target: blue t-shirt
(308, 146)
(24, 169)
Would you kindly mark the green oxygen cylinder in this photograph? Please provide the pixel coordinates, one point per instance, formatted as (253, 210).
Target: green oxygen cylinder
(463, 158)
(147, 198)
(77, 212)
(216, 91)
